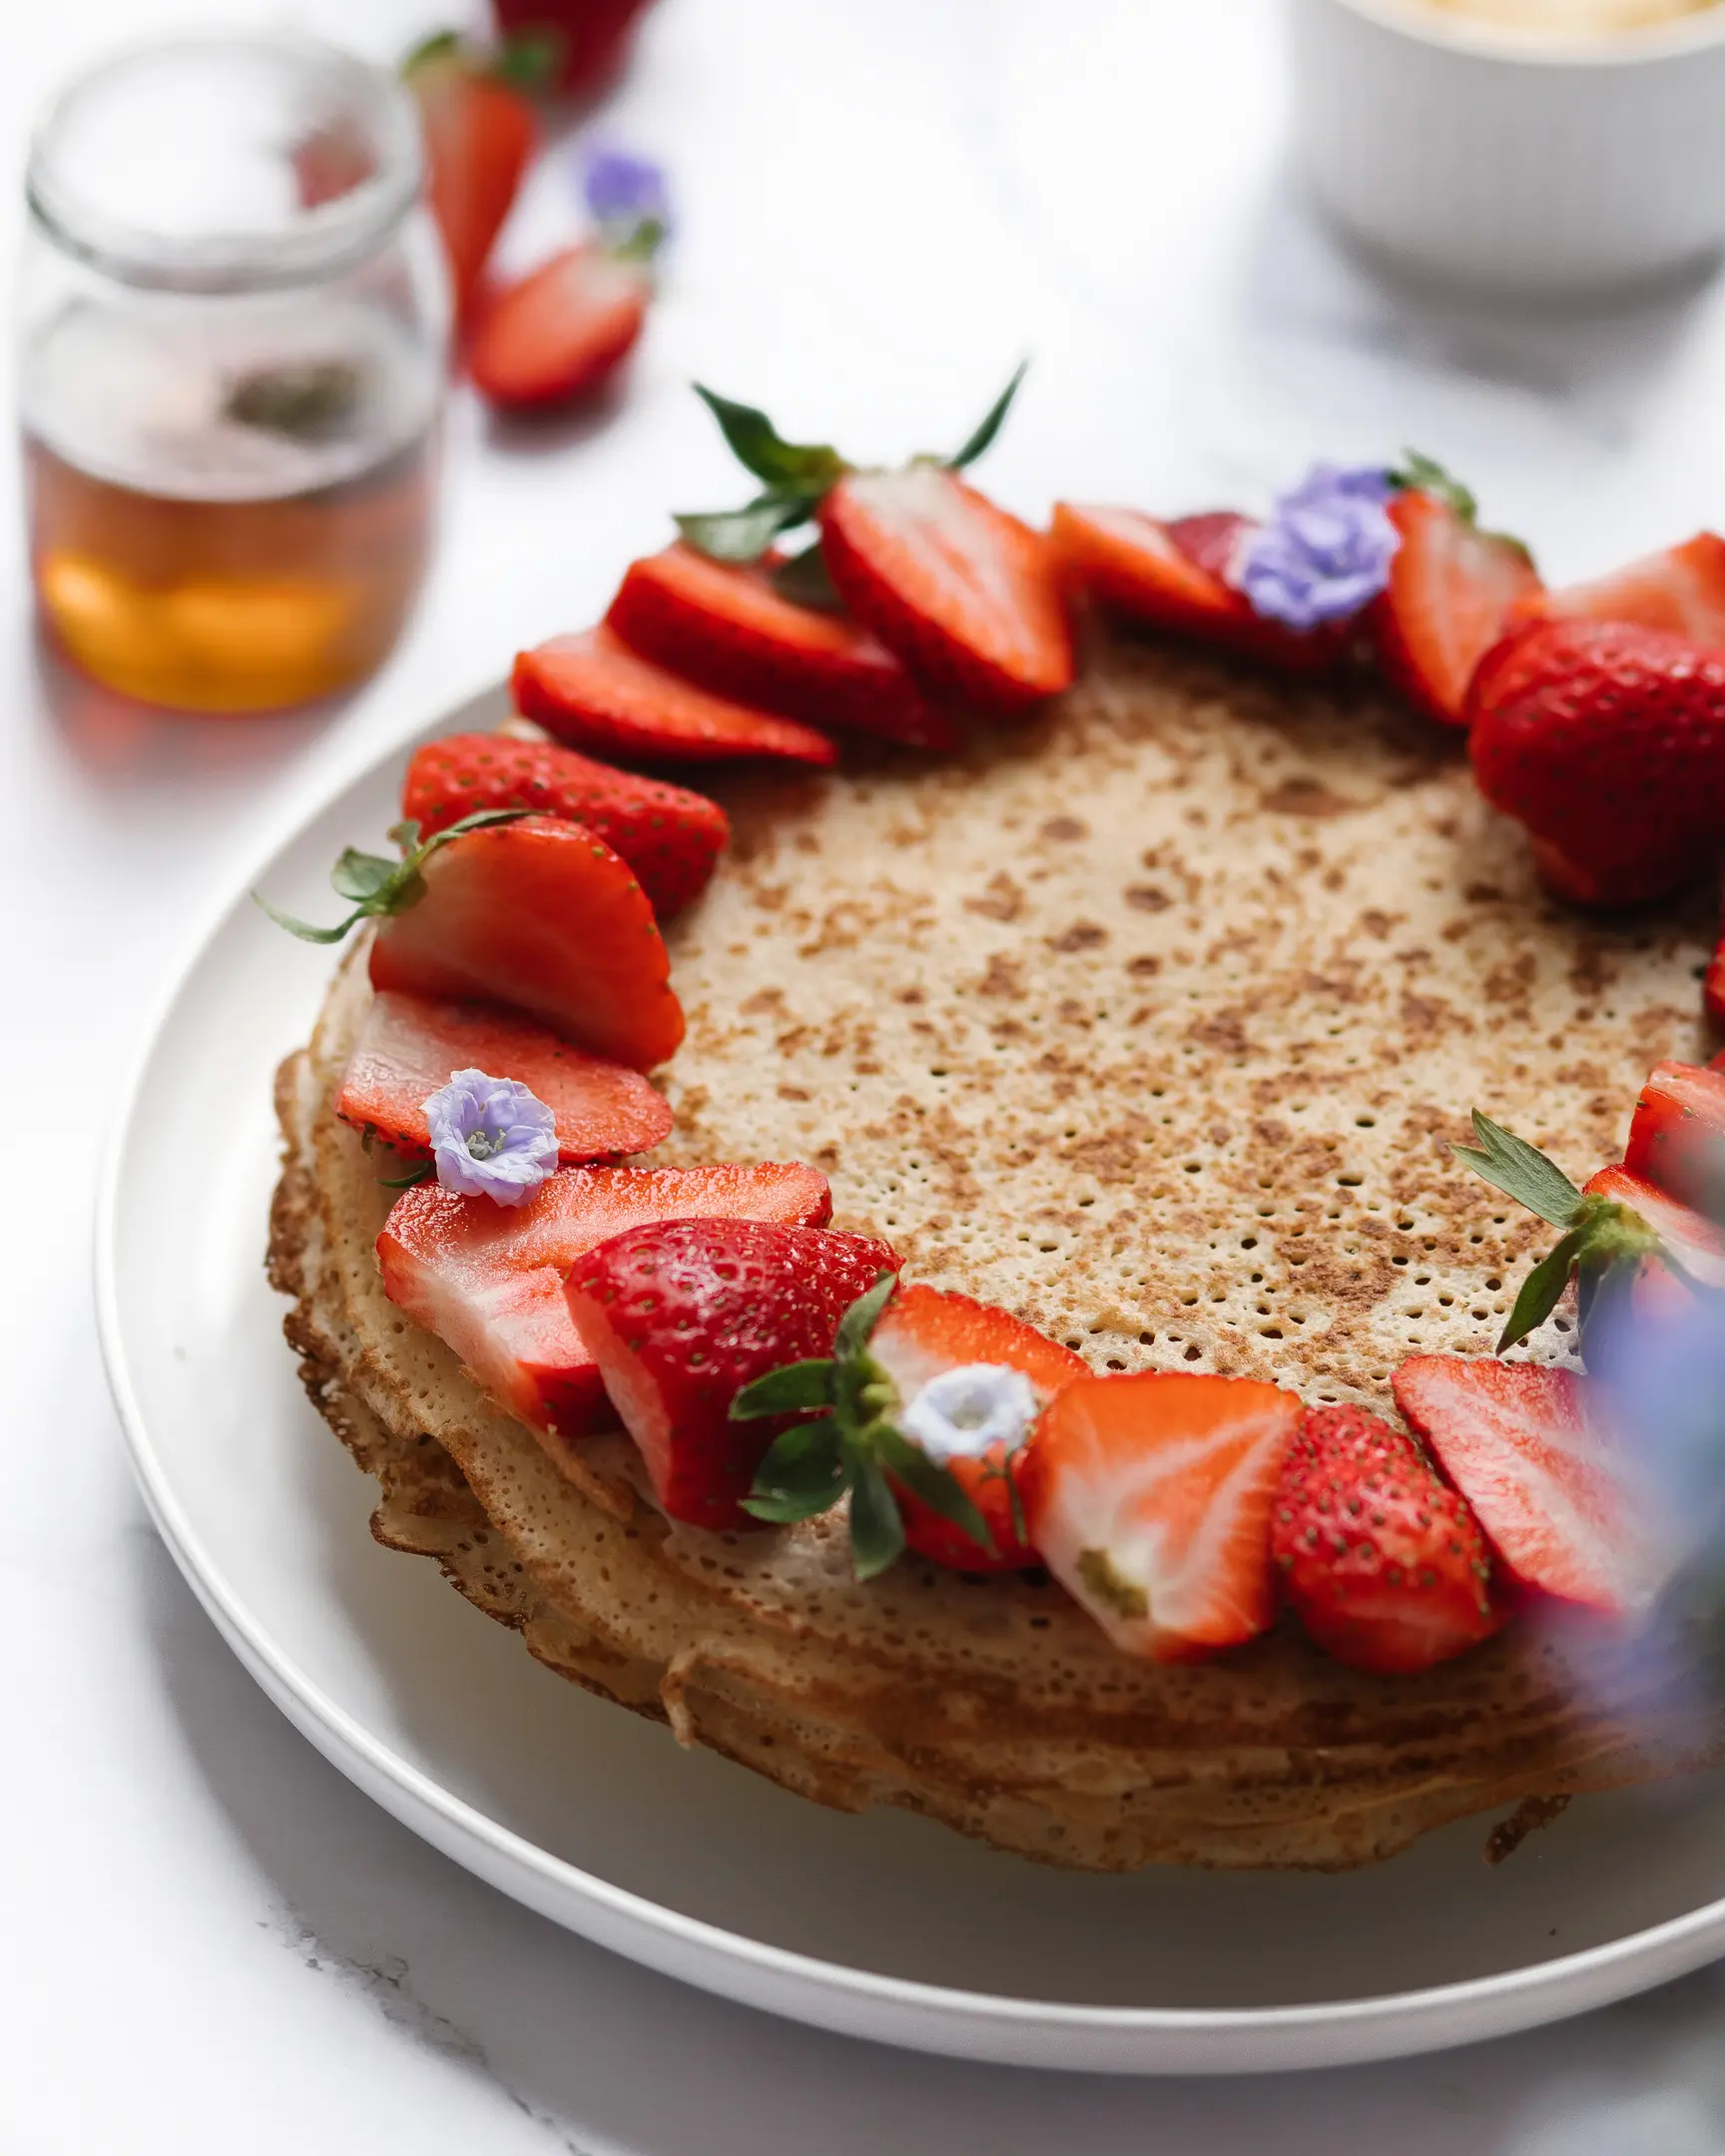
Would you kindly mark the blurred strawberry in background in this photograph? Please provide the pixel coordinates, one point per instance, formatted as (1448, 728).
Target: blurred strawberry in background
(481, 133)
(592, 37)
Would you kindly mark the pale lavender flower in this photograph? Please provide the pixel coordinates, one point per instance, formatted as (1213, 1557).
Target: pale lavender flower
(1326, 550)
(629, 199)
(490, 1137)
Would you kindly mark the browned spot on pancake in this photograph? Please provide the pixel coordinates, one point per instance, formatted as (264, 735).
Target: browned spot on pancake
(1002, 900)
(1065, 828)
(1082, 935)
(1307, 796)
(1147, 897)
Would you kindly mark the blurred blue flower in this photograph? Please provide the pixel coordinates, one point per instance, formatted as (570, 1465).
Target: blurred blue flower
(629, 199)
(490, 1137)
(1326, 550)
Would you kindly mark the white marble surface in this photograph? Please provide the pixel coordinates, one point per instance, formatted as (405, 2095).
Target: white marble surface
(212, 1942)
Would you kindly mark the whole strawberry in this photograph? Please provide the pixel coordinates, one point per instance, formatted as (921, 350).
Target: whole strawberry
(681, 1315)
(1607, 742)
(1382, 1563)
(671, 838)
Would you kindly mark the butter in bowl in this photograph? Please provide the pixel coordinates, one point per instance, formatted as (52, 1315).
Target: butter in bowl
(1544, 148)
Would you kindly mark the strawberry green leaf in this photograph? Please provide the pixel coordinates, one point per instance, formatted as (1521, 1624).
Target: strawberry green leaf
(1541, 1290)
(529, 59)
(379, 886)
(804, 580)
(743, 535)
(938, 1488)
(441, 45)
(1519, 1171)
(1427, 476)
(877, 1530)
(858, 1324)
(804, 1474)
(362, 876)
(808, 467)
(991, 423)
(787, 1391)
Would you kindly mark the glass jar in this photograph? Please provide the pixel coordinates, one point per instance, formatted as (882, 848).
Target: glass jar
(235, 322)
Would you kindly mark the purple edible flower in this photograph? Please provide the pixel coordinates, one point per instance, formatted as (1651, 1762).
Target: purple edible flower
(490, 1137)
(629, 199)
(1326, 550)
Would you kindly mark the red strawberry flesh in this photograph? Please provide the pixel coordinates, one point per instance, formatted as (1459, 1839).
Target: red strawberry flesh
(594, 692)
(1680, 590)
(557, 333)
(1697, 1245)
(681, 1316)
(729, 630)
(1452, 588)
(963, 591)
(544, 917)
(670, 836)
(1677, 1136)
(488, 1278)
(409, 1046)
(1528, 1449)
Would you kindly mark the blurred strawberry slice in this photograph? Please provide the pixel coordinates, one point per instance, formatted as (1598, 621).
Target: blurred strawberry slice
(1697, 1245)
(1450, 593)
(1527, 1448)
(557, 333)
(1681, 591)
(1677, 1136)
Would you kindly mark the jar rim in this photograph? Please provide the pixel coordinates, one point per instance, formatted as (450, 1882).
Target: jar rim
(320, 241)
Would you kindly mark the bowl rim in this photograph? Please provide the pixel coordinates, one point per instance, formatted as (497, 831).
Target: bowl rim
(1419, 22)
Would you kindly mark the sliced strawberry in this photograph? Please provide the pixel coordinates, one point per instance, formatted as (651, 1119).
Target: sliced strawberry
(480, 137)
(593, 692)
(557, 333)
(1384, 1564)
(1677, 1136)
(1713, 986)
(671, 838)
(408, 1047)
(1149, 573)
(488, 1278)
(1681, 591)
(1697, 1245)
(545, 917)
(1150, 1499)
(1527, 1448)
(926, 1335)
(1451, 589)
(965, 594)
(729, 629)
(681, 1316)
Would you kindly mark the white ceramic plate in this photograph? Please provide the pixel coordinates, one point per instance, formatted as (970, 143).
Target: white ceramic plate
(884, 1926)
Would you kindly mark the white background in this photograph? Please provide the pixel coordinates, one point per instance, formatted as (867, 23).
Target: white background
(210, 1942)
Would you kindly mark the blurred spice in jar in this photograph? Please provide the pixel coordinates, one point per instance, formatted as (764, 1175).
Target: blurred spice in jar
(235, 321)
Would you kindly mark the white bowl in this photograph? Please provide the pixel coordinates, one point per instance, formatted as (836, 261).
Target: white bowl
(1513, 163)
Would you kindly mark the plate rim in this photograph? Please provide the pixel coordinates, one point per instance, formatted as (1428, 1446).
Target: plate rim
(910, 2012)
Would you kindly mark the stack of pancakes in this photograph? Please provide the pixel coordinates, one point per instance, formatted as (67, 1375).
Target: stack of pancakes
(1150, 1020)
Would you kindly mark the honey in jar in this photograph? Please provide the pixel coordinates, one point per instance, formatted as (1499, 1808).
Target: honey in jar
(228, 417)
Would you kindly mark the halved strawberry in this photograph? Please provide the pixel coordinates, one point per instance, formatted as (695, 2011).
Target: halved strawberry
(1384, 1564)
(1150, 1498)
(1681, 591)
(1530, 1451)
(480, 136)
(933, 1399)
(671, 838)
(1216, 539)
(1677, 1136)
(1450, 592)
(681, 1315)
(591, 37)
(592, 691)
(726, 627)
(963, 591)
(1145, 571)
(558, 332)
(488, 1278)
(1713, 987)
(409, 1046)
(1697, 1245)
(517, 909)
(961, 1348)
